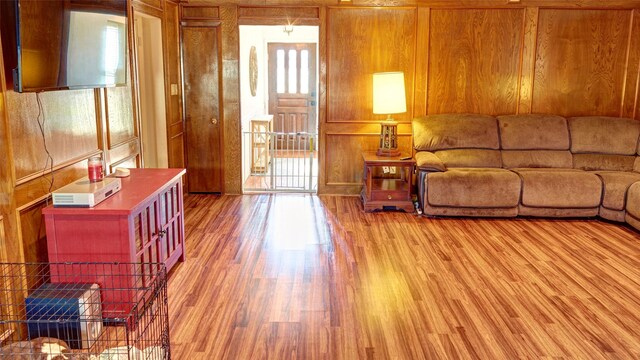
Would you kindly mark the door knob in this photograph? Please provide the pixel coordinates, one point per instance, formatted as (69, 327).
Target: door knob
(214, 121)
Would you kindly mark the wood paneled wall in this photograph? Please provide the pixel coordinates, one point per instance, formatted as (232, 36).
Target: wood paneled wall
(556, 57)
(565, 57)
(490, 56)
(77, 124)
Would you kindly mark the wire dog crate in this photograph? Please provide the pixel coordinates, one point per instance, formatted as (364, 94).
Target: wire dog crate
(92, 311)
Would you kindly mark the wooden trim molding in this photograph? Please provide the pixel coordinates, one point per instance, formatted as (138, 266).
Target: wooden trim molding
(57, 167)
(3, 245)
(199, 12)
(281, 15)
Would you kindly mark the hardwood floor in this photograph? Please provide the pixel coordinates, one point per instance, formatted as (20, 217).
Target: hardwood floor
(306, 277)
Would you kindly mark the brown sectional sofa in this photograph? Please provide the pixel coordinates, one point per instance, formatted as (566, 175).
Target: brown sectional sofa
(530, 165)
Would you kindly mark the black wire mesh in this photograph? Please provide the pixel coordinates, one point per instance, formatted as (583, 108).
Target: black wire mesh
(98, 311)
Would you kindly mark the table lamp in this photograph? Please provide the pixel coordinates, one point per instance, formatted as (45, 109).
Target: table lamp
(389, 98)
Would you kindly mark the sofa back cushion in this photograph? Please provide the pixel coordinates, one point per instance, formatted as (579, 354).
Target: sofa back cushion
(603, 162)
(536, 159)
(455, 131)
(604, 135)
(470, 158)
(533, 132)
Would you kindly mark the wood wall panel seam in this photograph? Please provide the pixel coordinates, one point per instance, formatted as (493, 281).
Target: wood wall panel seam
(555, 4)
(528, 60)
(322, 94)
(31, 204)
(57, 167)
(134, 139)
(344, 183)
(330, 133)
(626, 64)
(636, 30)
(635, 100)
(147, 8)
(521, 62)
(3, 245)
(292, 14)
(421, 71)
(118, 162)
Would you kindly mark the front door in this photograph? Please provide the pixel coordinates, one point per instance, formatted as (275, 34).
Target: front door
(292, 92)
(200, 56)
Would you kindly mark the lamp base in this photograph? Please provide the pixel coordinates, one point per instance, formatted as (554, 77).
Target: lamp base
(388, 152)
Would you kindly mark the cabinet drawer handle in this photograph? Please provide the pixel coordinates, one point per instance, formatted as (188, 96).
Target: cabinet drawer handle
(389, 197)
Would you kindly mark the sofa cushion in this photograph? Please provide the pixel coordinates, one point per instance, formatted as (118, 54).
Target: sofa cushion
(633, 200)
(602, 134)
(470, 158)
(473, 187)
(613, 215)
(616, 184)
(455, 131)
(560, 188)
(603, 162)
(636, 164)
(533, 132)
(536, 159)
(426, 160)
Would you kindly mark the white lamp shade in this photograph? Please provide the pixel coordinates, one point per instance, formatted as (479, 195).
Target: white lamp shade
(388, 93)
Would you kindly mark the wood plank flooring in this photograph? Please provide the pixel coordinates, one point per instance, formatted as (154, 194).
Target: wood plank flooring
(307, 277)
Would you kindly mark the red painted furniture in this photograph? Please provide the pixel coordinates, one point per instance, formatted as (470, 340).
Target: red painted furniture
(143, 223)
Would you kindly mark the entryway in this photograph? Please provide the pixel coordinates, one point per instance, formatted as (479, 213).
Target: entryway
(151, 96)
(278, 74)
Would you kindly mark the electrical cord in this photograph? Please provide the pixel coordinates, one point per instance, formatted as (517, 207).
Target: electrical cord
(48, 165)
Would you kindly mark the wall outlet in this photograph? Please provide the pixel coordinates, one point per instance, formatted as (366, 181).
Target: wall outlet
(392, 169)
(385, 169)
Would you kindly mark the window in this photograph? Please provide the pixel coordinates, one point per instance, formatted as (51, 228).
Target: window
(304, 71)
(293, 81)
(280, 71)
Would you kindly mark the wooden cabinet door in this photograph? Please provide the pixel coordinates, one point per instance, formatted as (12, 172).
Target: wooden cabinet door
(170, 218)
(201, 71)
(147, 238)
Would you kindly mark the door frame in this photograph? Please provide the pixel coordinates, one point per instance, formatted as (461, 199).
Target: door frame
(137, 8)
(272, 15)
(141, 121)
(221, 121)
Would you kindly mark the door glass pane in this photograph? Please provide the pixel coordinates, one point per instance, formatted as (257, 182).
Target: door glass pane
(293, 67)
(280, 71)
(304, 71)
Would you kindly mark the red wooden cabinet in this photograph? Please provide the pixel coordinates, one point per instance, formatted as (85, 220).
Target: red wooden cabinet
(143, 223)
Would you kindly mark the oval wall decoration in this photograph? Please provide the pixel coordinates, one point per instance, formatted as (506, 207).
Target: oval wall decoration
(253, 70)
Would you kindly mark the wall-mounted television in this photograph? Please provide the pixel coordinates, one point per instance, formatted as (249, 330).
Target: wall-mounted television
(64, 44)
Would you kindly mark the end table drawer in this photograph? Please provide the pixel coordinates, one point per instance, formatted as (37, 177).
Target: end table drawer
(387, 195)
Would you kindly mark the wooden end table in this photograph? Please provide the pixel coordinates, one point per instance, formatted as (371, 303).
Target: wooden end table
(383, 193)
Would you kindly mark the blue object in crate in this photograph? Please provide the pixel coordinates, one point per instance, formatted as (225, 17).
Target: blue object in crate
(69, 312)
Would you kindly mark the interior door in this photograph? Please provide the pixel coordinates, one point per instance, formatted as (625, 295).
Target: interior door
(201, 74)
(292, 91)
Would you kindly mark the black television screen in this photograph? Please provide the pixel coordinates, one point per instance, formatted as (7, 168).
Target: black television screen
(65, 44)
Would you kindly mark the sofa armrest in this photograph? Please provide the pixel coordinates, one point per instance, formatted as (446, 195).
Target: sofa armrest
(426, 160)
